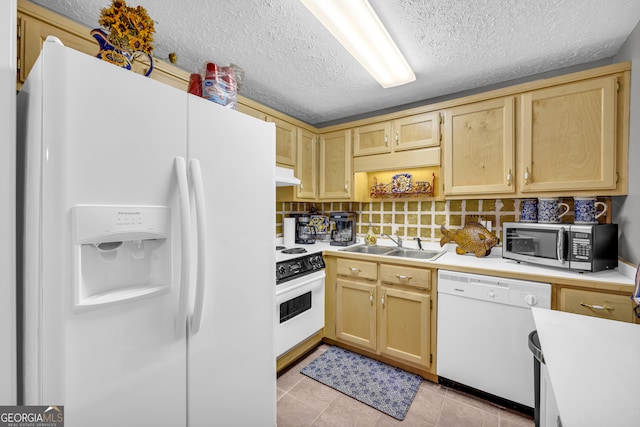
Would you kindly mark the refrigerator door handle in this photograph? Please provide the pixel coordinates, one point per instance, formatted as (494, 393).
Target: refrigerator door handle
(185, 231)
(201, 216)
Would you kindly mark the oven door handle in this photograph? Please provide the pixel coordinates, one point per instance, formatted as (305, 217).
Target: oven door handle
(201, 223)
(319, 275)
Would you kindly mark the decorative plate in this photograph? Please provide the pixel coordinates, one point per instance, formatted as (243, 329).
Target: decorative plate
(320, 222)
(401, 183)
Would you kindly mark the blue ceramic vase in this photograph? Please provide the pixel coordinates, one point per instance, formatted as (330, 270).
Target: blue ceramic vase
(137, 61)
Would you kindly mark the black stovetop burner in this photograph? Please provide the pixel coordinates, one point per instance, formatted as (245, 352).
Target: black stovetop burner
(294, 251)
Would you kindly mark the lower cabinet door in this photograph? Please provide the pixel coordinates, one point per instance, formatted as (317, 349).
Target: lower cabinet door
(356, 313)
(405, 325)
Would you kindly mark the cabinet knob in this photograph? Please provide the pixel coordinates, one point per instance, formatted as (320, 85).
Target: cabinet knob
(386, 139)
(382, 300)
(403, 277)
(526, 176)
(397, 137)
(371, 297)
(346, 186)
(355, 270)
(509, 177)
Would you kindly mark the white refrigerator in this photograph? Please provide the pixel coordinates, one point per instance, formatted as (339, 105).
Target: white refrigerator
(8, 331)
(148, 263)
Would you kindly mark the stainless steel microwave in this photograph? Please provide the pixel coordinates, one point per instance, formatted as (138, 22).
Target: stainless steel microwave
(581, 247)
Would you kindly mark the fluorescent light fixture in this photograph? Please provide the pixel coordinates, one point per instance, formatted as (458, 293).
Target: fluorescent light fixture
(355, 24)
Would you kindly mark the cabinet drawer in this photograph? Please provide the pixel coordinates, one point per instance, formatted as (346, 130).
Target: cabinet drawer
(597, 304)
(408, 276)
(355, 268)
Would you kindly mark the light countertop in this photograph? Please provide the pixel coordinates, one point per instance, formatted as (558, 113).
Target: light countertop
(592, 365)
(619, 279)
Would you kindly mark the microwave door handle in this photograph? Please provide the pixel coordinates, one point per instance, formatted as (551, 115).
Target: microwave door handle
(560, 245)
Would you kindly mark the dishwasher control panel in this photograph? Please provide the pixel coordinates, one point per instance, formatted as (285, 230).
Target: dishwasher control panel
(522, 293)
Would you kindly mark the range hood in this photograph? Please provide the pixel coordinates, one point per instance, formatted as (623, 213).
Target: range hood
(285, 177)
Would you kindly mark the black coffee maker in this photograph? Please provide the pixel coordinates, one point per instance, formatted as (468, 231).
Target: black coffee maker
(344, 233)
(305, 232)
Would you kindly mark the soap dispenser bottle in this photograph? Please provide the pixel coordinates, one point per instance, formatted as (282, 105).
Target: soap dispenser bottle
(370, 238)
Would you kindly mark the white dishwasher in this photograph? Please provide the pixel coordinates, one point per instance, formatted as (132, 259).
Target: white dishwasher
(483, 328)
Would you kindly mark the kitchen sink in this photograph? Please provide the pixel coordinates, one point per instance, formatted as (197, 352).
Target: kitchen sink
(373, 250)
(396, 252)
(416, 254)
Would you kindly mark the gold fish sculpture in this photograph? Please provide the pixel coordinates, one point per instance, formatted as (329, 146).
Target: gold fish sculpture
(473, 238)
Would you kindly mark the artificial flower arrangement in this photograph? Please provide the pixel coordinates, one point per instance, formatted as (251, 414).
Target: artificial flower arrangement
(128, 27)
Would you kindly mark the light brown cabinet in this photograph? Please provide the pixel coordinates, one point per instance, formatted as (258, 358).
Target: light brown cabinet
(381, 308)
(417, 131)
(356, 312)
(286, 140)
(371, 139)
(406, 142)
(336, 174)
(479, 147)
(355, 300)
(307, 165)
(569, 137)
(405, 325)
(404, 329)
(596, 303)
(567, 142)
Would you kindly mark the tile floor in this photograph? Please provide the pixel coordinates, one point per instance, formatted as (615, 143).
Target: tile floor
(305, 402)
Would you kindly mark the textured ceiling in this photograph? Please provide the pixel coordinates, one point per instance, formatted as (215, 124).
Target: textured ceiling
(294, 65)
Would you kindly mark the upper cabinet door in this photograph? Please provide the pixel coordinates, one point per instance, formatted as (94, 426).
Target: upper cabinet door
(372, 139)
(479, 147)
(285, 142)
(569, 137)
(307, 165)
(419, 131)
(335, 165)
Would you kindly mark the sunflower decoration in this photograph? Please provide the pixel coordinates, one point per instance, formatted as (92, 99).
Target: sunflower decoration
(129, 27)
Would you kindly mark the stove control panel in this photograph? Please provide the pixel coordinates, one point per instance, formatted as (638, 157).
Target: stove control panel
(298, 267)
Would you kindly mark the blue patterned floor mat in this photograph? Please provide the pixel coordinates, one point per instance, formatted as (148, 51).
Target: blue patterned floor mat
(383, 387)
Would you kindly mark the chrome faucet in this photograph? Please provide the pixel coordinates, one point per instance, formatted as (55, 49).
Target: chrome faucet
(397, 242)
(419, 242)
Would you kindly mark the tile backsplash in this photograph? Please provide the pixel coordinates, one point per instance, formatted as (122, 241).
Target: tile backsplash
(411, 218)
